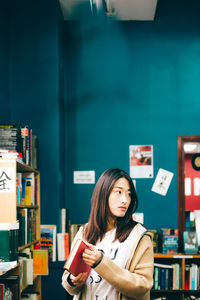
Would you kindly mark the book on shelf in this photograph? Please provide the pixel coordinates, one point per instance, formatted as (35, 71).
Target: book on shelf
(2, 293)
(26, 269)
(27, 228)
(6, 154)
(64, 220)
(73, 229)
(22, 216)
(154, 233)
(193, 277)
(177, 283)
(26, 193)
(30, 296)
(163, 276)
(190, 242)
(29, 194)
(40, 262)
(9, 241)
(75, 263)
(19, 187)
(19, 139)
(35, 152)
(5, 292)
(25, 257)
(168, 241)
(10, 138)
(6, 266)
(48, 240)
(25, 134)
(63, 246)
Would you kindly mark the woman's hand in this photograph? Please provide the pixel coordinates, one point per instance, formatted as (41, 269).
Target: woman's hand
(91, 256)
(79, 279)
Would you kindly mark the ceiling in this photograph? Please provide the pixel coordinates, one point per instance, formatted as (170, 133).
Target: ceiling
(116, 9)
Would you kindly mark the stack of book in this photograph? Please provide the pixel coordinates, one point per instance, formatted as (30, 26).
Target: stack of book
(9, 241)
(18, 141)
(11, 139)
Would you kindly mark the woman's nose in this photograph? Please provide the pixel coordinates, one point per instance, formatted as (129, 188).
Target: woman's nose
(124, 198)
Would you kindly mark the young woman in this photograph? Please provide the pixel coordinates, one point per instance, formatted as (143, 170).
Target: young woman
(121, 254)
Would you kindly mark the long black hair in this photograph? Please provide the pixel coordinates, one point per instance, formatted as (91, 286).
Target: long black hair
(97, 223)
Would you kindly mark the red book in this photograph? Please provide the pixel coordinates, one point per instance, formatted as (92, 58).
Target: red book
(75, 265)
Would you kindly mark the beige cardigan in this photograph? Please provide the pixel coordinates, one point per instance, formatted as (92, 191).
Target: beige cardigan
(135, 281)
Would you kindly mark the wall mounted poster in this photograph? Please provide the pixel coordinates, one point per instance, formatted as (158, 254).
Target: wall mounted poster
(141, 161)
(162, 182)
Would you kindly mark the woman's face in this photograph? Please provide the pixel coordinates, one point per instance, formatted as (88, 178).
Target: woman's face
(120, 198)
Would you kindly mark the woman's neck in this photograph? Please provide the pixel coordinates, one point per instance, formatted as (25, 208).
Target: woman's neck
(110, 224)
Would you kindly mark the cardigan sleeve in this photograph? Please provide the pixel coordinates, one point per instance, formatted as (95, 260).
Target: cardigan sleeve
(136, 281)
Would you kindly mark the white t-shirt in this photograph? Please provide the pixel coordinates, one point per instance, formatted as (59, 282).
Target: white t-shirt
(96, 287)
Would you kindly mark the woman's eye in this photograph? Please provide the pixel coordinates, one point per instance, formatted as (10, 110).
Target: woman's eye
(118, 192)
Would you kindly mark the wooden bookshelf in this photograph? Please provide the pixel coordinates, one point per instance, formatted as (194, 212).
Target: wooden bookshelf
(183, 260)
(8, 213)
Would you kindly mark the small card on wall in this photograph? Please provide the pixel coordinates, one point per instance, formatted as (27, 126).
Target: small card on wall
(162, 182)
(84, 177)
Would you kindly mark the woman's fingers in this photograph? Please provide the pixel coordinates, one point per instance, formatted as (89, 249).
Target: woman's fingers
(79, 279)
(90, 257)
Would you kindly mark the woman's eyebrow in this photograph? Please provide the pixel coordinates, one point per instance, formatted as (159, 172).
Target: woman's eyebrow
(121, 188)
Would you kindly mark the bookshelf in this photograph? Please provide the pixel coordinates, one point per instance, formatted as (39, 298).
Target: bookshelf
(10, 205)
(171, 292)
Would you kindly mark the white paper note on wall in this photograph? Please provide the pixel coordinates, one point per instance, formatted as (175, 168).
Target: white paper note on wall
(84, 177)
(162, 182)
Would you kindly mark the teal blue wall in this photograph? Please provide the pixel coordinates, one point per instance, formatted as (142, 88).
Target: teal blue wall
(132, 83)
(30, 35)
(89, 89)
(4, 60)
(111, 85)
